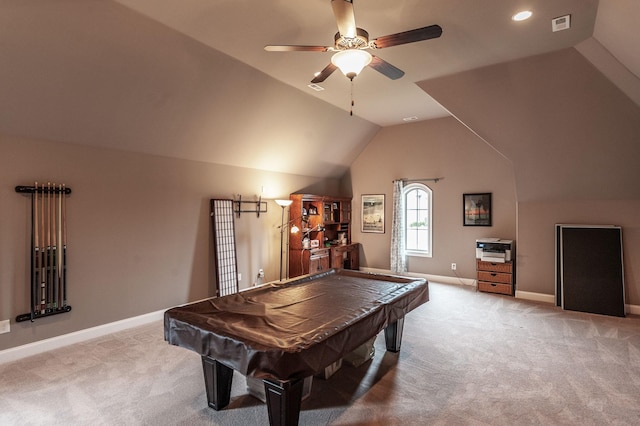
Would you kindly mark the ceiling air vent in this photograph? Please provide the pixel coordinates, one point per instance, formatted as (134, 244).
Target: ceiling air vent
(561, 23)
(315, 87)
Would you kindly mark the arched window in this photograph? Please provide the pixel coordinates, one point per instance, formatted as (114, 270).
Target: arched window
(417, 219)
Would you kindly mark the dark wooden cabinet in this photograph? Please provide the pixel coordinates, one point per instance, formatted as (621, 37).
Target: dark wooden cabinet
(346, 256)
(324, 234)
(318, 260)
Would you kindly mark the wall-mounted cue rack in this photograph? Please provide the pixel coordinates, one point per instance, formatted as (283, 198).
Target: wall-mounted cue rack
(48, 250)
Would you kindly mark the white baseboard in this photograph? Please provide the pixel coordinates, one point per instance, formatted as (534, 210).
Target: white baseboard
(632, 309)
(19, 352)
(435, 278)
(551, 298)
(537, 297)
(526, 295)
(540, 297)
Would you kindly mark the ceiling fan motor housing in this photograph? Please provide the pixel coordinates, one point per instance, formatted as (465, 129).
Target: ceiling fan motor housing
(360, 41)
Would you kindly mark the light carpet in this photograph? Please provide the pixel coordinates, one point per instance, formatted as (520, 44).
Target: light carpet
(467, 358)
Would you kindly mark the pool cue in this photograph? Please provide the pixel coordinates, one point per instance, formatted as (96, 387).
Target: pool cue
(43, 266)
(54, 251)
(35, 247)
(59, 255)
(49, 249)
(64, 246)
(46, 242)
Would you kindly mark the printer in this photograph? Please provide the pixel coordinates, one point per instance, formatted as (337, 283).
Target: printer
(494, 250)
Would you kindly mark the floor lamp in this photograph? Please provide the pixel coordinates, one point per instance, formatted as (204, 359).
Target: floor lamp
(283, 204)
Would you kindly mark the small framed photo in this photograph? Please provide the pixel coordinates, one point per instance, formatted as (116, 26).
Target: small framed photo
(373, 213)
(476, 209)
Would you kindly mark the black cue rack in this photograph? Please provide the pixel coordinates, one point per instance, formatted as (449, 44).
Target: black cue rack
(48, 250)
(258, 206)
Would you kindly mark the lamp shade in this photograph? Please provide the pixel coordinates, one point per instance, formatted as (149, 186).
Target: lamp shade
(284, 203)
(351, 61)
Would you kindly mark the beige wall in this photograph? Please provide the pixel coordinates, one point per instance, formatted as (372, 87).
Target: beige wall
(139, 235)
(572, 137)
(569, 131)
(140, 86)
(435, 148)
(444, 147)
(562, 146)
(536, 232)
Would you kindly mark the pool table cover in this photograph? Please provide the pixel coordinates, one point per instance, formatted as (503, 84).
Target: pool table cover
(294, 329)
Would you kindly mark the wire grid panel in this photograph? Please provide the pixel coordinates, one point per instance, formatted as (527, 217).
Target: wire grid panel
(224, 244)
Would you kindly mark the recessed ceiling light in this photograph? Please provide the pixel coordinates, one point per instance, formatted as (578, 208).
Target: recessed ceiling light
(521, 16)
(413, 118)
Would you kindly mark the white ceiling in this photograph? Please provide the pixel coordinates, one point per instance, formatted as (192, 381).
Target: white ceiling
(474, 35)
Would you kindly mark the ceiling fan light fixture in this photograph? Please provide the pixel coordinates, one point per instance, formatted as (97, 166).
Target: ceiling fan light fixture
(351, 61)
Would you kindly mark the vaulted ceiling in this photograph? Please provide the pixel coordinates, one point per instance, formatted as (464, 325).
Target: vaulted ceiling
(472, 37)
(191, 79)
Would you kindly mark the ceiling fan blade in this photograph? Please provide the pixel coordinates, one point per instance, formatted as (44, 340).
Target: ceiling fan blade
(326, 72)
(345, 18)
(293, 48)
(385, 68)
(419, 34)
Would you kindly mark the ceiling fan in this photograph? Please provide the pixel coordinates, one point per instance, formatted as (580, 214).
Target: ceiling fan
(351, 44)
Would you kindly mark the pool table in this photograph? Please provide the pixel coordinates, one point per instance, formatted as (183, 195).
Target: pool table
(286, 331)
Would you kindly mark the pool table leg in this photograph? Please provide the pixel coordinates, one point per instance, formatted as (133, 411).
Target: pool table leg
(393, 335)
(283, 401)
(217, 382)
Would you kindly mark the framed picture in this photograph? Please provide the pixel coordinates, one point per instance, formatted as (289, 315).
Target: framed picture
(476, 209)
(373, 213)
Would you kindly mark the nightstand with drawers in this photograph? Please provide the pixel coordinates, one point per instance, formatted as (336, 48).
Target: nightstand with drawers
(495, 277)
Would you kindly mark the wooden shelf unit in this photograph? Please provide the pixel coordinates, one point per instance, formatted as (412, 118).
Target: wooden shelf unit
(323, 219)
(495, 277)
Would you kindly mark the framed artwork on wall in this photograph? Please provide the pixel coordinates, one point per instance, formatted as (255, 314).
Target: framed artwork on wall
(476, 209)
(372, 219)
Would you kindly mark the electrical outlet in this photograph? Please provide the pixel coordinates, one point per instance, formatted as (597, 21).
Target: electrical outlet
(453, 266)
(5, 326)
(261, 273)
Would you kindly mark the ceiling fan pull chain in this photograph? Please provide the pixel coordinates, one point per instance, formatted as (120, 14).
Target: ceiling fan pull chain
(352, 102)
